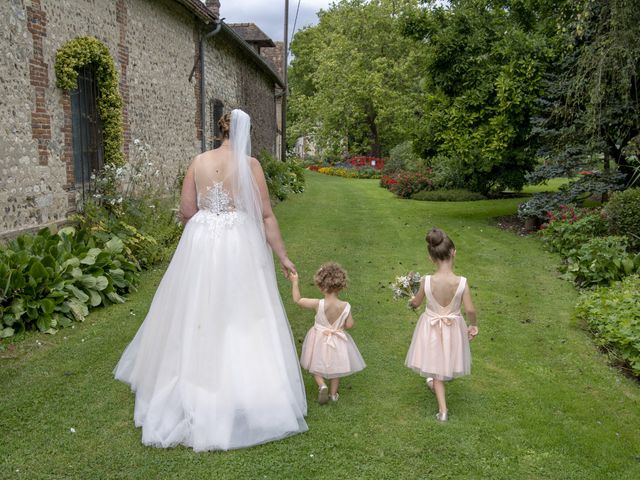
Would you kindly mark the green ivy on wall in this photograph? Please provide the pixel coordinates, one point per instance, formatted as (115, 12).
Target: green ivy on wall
(82, 51)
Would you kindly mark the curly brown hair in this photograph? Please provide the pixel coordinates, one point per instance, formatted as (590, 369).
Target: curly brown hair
(225, 125)
(330, 277)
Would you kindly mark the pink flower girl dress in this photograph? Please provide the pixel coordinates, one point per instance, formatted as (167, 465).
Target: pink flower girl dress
(328, 350)
(440, 345)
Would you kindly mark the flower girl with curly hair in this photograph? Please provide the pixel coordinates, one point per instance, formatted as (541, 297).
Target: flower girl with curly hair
(328, 351)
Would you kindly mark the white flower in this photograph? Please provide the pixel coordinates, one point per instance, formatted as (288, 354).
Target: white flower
(72, 430)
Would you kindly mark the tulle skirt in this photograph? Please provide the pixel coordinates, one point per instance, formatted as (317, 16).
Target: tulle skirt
(335, 360)
(213, 365)
(440, 351)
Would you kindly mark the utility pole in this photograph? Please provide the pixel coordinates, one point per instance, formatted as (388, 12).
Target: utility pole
(285, 56)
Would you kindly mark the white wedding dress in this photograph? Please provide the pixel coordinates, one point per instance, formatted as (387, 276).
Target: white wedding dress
(214, 365)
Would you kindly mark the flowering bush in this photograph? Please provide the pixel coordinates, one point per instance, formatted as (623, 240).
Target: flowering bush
(405, 184)
(349, 172)
(568, 228)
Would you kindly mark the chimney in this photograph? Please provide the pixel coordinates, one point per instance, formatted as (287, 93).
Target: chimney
(214, 6)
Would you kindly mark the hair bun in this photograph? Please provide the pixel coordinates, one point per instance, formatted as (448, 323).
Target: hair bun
(435, 237)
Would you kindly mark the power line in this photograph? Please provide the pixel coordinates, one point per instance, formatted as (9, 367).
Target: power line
(293, 32)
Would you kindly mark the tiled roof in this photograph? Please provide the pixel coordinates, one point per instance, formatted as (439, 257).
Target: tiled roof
(200, 9)
(252, 34)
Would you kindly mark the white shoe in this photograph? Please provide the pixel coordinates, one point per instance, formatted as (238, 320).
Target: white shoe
(334, 398)
(442, 417)
(323, 394)
(430, 383)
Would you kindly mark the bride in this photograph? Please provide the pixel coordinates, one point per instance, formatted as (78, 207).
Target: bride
(214, 365)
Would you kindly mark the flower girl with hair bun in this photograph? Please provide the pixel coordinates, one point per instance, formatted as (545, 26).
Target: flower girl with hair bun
(440, 346)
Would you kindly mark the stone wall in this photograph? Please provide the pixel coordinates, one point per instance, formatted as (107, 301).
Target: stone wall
(234, 78)
(154, 45)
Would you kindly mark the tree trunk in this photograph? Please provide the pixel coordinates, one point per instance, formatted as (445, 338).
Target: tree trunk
(374, 142)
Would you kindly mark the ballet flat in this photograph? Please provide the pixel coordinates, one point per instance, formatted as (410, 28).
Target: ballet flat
(430, 383)
(323, 395)
(442, 417)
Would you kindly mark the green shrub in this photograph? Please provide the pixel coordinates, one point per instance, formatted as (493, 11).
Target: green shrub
(601, 261)
(612, 315)
(446, 173)
(574, 192)
(455, 195)
(147, 227)
(283, 178)
(49, 280)
(402, 157)
(570, 228)
(623, 215)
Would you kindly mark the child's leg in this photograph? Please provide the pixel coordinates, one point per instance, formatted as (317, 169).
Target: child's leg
(438, 386)
(319, 380)
(335, 383)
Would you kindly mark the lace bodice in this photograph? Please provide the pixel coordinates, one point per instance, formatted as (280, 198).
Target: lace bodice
(216, 200)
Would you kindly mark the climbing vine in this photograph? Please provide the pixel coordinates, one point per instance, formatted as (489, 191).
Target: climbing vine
(82, 51)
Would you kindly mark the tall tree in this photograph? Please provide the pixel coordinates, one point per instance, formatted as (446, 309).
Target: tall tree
(484, 66)
(352, 79)
(592, 105)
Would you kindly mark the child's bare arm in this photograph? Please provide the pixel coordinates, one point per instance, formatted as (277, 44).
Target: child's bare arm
(470, 312)
(349, 322)
(418, 298)
(311, 303)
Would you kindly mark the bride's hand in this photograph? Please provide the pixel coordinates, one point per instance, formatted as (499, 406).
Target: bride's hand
(287, 266)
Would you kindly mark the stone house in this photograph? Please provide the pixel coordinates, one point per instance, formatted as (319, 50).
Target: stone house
(51, 138)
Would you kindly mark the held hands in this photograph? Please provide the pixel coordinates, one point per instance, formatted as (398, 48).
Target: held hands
(472, 331)
(293, 277)
(288, 268)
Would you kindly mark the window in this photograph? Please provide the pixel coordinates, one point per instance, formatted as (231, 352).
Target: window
(217, 110)
(88, 151)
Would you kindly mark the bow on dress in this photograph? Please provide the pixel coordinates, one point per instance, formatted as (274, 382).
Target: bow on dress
(438, 319)
(330, 334)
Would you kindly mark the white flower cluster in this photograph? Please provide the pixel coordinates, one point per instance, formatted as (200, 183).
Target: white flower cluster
(406, 285)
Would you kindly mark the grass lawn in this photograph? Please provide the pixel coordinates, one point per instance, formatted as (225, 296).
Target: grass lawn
(541, 402)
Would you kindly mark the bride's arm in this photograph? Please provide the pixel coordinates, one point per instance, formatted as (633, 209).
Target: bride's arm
(271, 227)
(188, 201)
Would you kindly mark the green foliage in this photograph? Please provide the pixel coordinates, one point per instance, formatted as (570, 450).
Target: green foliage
(83, 51)
(483, 74)
(49, 280)
(590, 110)
(283, 178)
(446, 172)
(612, 315)
(576, 191)
(148, 228)
(352, 79)
(568, 229)
(454, 195)
(403, 157)
(601, 261)
(623, 215)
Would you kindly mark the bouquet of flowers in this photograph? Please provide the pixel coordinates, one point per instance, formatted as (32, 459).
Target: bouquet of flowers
(406, 285)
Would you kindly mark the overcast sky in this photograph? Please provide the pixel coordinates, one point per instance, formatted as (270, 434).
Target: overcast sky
(269, 14)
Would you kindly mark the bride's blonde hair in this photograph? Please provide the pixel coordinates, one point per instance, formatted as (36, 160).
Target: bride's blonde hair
(225, 125)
